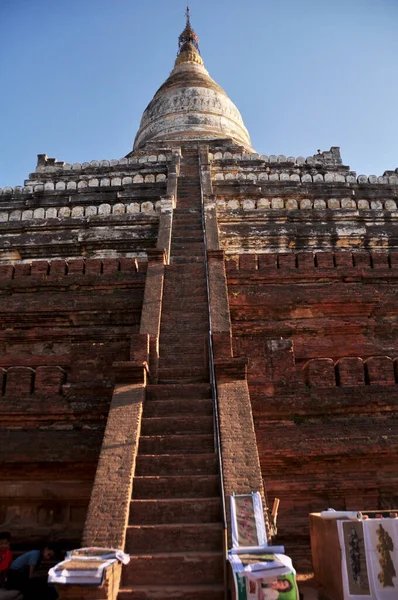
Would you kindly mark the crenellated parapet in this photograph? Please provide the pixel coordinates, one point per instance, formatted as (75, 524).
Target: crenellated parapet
(351, 371)
(343, 263)
(20, 381)
(245, 182)
(52, 175)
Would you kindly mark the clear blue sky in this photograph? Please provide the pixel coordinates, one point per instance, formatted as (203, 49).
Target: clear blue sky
(77, 74)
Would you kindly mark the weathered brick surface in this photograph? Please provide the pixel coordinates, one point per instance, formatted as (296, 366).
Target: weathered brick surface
(321, 344)
(64, 325)
(113, 481)
(240, 460)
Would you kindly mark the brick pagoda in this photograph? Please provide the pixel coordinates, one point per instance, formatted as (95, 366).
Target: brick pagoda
(191, 321)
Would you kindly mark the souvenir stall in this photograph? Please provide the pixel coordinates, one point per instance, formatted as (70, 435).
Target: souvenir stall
(260, 572)
(355, 555)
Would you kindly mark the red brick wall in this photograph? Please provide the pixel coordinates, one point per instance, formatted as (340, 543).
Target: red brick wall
(320, 335)
(63, 325)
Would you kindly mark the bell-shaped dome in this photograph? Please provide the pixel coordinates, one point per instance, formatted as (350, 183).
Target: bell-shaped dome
(190, 106)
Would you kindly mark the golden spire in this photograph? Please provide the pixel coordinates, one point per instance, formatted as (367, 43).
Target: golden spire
(188, 43)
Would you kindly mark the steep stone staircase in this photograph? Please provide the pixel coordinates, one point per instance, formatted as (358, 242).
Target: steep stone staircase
(175, 531)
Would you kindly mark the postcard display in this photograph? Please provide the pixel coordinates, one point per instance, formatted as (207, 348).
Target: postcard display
(261, 572)
(369, 551)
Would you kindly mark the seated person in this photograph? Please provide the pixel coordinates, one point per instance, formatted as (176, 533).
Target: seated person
(5, 555)
(22, 571)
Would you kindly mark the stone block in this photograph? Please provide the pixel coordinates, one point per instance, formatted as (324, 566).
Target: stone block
(319, 204)
(64, 211)
(27, 215)
(78, 211)
(320, 373)
(350, 371)
(118, 209)
(348, 203)
(390, 205)
(362, 179)
(51, 213)
(267, 261)
(38, 213)
(333, 203)
(325, 260)
(305, 204)
(277, 203)
(15, 215)
(233, 204)
(248, 205)
(49, 380)
(19, 382)
(380, 370)
(133, 208)
(263, 203)
(90, 211)
(376, 205)
(363, 204)
(247, 262)
(104, 209)
(147, 207)
(291, 204)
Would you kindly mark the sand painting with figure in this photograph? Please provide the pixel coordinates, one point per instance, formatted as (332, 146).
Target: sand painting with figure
(246, 521)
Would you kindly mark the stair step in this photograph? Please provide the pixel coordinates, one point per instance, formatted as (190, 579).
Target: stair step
(163, 592)
(175, 425)
(176, 444)
(179, 406)
(181, 486)
(194, 391)
(183, 374)
(177, 260)
(175, 510)
(143, 539)
(176, 568)
(176, 464)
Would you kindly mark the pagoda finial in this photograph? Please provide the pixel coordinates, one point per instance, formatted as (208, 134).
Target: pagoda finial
(188, 38)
